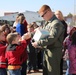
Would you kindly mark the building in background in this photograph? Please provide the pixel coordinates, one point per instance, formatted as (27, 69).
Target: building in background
(8, 13)
(29, 15)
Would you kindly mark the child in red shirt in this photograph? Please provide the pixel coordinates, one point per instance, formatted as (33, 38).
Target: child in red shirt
(3, 64)
(14, 51)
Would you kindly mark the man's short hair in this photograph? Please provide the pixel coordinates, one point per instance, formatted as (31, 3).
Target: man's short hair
(44, 8)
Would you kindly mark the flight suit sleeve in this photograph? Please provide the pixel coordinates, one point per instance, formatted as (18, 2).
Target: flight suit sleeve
(55, 31)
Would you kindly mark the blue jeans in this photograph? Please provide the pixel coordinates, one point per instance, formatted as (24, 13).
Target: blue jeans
(15, 72)
(67, 71)
(3, 71)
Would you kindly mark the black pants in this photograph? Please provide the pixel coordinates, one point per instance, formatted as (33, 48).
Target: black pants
(24, 68)
(40, 60)
(61, 67)
(32, 60)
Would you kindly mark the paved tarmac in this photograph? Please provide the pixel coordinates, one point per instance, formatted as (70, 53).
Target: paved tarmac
(39, 73)
(35, 74)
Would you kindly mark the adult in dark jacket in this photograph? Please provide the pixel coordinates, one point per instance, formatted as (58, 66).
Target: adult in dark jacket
(59, 15)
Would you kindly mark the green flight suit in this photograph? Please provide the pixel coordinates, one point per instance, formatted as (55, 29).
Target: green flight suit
(52, 45)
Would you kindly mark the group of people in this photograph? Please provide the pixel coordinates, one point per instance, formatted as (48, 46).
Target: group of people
(14, 42)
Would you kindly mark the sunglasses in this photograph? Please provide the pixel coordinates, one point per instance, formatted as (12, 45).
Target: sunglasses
(44, 14)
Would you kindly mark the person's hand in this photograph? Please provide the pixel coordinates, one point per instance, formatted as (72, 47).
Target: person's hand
(36, 29)
(26, 36)
(34, 44)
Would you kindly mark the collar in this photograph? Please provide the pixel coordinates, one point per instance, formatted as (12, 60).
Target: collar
(53, 17)
(3, 42)
(11, 47)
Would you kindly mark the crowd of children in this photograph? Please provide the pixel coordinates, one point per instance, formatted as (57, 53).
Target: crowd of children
(13, 48)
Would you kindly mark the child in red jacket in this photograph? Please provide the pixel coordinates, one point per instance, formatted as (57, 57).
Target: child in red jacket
(3, 64)
(14, 51)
